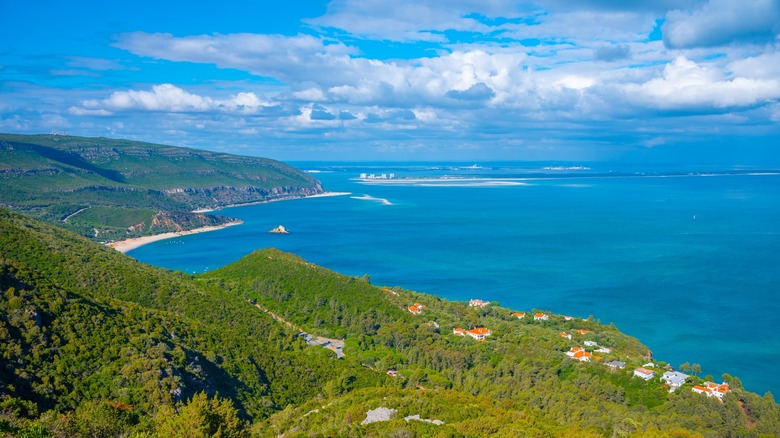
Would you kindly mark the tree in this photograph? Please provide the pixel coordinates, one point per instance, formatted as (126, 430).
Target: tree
(201, 417)
(686, 367)
(696, 368)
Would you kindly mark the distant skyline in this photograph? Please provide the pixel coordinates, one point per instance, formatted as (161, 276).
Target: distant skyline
(687, 81)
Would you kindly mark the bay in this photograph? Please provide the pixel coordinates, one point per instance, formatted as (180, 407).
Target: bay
(686, 260)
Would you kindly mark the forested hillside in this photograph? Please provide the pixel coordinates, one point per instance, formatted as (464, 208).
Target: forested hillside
(111, 189)
(94, 343)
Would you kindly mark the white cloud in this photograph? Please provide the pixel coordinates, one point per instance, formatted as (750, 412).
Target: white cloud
(168, 98)
(687, 85)
(293, 59)
(720, 22)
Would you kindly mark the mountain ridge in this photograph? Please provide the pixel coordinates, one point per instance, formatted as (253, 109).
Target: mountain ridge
(53, 177)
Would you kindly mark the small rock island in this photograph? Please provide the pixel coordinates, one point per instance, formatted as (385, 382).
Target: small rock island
(279, 230)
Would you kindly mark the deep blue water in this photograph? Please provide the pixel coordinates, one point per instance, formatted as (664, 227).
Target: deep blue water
(687, 263)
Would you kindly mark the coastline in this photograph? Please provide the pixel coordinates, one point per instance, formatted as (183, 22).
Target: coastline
(291, 198)
(126, 245)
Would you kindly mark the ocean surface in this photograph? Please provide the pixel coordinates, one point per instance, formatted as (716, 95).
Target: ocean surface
(686, 260)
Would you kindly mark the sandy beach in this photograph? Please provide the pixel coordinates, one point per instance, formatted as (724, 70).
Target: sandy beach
(136, 242)
(130, 244)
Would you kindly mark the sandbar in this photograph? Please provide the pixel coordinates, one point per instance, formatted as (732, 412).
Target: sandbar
(136, 242)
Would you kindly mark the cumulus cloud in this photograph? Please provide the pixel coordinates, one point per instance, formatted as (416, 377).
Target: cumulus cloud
(476, 92)
(686, 85)
(168, 98)
(720, 22)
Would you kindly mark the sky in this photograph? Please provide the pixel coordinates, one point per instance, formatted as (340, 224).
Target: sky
(685, 81)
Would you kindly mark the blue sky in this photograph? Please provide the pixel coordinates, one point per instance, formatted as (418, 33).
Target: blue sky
(689, 81)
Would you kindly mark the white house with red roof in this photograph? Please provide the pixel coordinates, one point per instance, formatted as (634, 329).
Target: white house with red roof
(519, 315)
(457, 331)
(644, 373)
(579, 353)
(417, 308)
(479, 333)
(712, 389)
(541, 317)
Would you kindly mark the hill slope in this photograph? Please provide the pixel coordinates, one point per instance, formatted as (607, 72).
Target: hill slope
(58, 178)
(90, 337)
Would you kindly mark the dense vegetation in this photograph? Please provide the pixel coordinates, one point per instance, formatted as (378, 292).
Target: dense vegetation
(94, 343)
(137, 188)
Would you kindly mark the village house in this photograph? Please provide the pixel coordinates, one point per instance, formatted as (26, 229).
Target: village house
(541, 317)
(616, 364)
(644, 373)
(566, 335)
(478, 303)
(479, 333)
(567, 318)
(459, 331)
(674, 379)
(603, 350)
(579, 353)
(582, 331)
(392, 373)
(417, 308)
(591, 343)
(712, 389)
(519, 315)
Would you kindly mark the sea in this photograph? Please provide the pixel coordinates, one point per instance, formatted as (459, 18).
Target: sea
(687, 260)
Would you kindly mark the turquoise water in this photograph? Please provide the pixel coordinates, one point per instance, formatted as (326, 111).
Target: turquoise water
(687, 263)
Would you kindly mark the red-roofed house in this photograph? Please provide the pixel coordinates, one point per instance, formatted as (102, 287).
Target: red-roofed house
(479, 333)
(519, 315)
(566, 335)
(478, 303)
(582, 331)
(417, 308)
(713, 389)
(644, 373)
(459, 331)
(541, 317)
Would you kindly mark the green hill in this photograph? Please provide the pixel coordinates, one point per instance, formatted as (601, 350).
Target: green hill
(135, 188)
(94, 343)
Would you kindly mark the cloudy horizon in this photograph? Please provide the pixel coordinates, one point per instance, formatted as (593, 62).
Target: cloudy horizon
(694, 81)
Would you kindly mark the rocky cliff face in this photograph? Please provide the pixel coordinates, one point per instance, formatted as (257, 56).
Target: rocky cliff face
(221, 196)
(175, 221)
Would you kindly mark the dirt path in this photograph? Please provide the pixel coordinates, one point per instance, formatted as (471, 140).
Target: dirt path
(335, 345)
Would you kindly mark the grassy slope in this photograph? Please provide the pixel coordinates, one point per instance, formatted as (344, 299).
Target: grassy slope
(51, 177)
(78, 316)
(81, 322)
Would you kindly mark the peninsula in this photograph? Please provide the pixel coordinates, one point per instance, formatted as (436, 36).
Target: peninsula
(109, 189)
